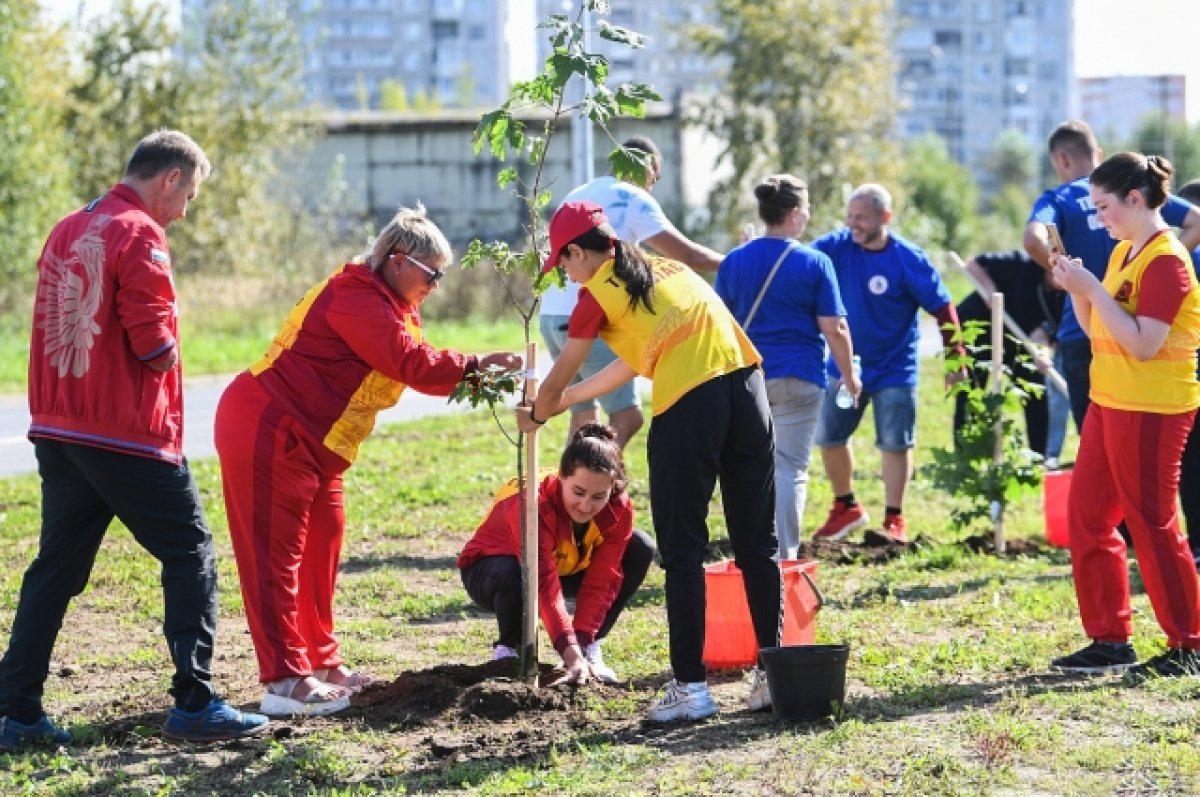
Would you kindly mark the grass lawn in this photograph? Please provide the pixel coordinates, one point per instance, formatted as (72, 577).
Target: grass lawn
(948, 688)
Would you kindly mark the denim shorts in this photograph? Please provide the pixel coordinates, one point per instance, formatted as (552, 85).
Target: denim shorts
(554, 333)
(895, 418)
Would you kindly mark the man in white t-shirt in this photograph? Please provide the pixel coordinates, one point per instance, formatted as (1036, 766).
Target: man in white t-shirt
(637, 218)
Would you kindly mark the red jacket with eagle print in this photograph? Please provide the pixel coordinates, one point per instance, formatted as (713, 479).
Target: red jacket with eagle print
(105, 308)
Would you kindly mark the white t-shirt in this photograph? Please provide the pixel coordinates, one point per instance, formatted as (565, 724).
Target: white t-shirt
(632, 212)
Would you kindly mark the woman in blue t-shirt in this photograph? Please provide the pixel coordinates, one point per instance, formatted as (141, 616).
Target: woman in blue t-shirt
(785, 295)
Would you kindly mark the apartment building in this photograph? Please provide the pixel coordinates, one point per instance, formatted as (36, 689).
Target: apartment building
(1116, 105)
(969, 69)
(456, 52)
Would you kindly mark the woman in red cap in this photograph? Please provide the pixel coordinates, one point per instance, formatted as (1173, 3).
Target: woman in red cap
(710, 421)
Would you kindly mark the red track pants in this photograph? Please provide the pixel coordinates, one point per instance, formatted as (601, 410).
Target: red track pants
(283, 496)
(1128, 467)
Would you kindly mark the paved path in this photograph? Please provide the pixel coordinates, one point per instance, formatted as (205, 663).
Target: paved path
(200, 406)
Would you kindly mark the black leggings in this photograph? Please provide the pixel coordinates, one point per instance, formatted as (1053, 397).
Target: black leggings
(494, 584)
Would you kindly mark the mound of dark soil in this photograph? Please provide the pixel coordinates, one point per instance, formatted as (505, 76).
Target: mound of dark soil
(487, 690)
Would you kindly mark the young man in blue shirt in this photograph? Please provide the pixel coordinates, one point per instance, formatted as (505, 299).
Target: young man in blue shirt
(1074, 153)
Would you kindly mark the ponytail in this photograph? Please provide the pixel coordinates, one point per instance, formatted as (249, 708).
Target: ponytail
(632, 268)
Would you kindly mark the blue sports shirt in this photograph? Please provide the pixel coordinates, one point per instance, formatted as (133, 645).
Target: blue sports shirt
(882, 292)
(784, 330)
(1069, 207)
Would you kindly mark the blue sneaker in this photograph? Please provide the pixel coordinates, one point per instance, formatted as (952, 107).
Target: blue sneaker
(14, 734)
(216, 722)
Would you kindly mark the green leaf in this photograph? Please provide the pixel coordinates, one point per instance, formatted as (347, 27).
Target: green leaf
(493, 129)
(620, 35)
(506, 177)
(631, 165)
(631, 98)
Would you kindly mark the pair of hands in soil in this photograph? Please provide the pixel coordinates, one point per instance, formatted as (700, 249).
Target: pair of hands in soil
(578, 670)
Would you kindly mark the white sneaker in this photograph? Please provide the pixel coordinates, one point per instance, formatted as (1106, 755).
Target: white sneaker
(1051, 463)
(503, 652)
(681, 701)
(759, 696)
(602, 671)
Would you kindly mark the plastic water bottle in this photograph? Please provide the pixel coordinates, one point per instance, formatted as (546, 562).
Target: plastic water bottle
(843, 399)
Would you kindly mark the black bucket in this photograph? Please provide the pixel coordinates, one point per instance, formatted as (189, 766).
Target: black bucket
(808, 682)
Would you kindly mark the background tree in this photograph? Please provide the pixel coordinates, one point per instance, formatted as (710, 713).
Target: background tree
(393, 96)
(230, 84)
(1011, 166)
(942, 192)
(807, 89)
(1157, 135)
(34, 189)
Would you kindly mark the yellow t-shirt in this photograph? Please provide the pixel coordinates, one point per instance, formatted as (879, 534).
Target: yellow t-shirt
(1165, 384)
(689, 339)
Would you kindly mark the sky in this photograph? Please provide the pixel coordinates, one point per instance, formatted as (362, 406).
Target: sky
(1160, 38)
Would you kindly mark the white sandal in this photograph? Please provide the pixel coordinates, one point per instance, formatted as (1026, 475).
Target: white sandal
(344, 677)
(319, 699)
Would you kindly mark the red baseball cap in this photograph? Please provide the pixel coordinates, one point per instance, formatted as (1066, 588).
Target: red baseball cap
(570, 221)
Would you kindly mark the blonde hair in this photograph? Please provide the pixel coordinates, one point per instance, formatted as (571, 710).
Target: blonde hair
(410, 231)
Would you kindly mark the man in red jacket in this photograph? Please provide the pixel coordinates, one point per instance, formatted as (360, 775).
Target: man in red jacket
(105, 393)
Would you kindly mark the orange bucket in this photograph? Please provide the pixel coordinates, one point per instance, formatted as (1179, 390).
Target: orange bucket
(1056, 487)
(728, 633)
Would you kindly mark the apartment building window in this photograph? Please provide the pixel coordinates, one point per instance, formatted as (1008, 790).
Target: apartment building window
(622, 17)
(412, 31)
(1016, 67)
(948, 8)
(919, 8)
(1018, 8)
(983, 70)
(476, 33)
(947, 38)
(445, 30)
(983, 11)
(982, 41)
(1047, 70)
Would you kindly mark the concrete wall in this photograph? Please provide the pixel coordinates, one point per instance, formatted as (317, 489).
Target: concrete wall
(396, 159)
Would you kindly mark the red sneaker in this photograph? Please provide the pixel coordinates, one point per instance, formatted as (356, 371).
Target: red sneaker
(895, 528)
(842, 520)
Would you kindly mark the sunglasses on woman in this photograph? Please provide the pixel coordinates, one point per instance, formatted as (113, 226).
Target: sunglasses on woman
(435, 275)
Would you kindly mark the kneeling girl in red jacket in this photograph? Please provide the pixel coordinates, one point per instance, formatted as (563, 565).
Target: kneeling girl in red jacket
(587, 549)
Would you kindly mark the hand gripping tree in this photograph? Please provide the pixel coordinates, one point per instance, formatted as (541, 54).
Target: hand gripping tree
(505, 132)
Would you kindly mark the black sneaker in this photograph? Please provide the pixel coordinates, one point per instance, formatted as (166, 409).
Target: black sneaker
(1098, 658)
(1175, 663)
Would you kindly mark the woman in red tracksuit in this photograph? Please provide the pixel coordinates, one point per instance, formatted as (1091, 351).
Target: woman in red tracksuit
(587, 549)
(287, 428)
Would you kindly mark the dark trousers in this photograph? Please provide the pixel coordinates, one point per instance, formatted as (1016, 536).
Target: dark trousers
(494, 584)
(83, 489)
(722, 430)
(1077, 363)
(1189, 487)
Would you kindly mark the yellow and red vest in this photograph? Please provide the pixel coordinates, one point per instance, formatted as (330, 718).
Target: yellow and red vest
(689, 339)
(1165, 384)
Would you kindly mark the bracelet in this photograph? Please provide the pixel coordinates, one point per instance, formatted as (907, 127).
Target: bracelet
(533, 418)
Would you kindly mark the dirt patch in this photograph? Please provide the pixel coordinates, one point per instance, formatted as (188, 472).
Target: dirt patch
(876, 548)
(486, 691)
(1021, 546)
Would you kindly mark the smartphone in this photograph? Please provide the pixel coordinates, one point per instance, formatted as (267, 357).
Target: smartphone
(1055, 240)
